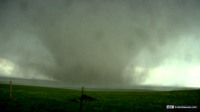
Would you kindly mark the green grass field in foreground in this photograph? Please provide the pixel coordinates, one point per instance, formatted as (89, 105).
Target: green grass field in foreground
(41, 99)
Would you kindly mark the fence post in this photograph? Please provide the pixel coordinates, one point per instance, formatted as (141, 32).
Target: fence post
(81, 103)
(10, 89)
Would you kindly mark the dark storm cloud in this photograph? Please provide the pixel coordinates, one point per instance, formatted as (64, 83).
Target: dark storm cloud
(92, 41)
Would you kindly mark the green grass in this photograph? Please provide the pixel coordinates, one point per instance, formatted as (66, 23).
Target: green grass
(41, 99)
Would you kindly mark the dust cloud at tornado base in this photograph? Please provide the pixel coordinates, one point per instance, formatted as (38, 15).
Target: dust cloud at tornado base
(100, 42)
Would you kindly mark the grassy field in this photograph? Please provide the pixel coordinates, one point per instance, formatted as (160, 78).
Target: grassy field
(41, 99)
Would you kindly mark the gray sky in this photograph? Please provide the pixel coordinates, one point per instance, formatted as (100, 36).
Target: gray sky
(102, 42)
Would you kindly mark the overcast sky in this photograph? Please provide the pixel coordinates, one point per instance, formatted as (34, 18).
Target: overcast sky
(102, 42)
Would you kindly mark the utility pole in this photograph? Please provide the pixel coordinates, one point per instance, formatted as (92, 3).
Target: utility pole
(10, 89)
(81, 103)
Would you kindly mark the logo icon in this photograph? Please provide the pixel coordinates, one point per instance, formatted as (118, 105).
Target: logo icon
(169, 106)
